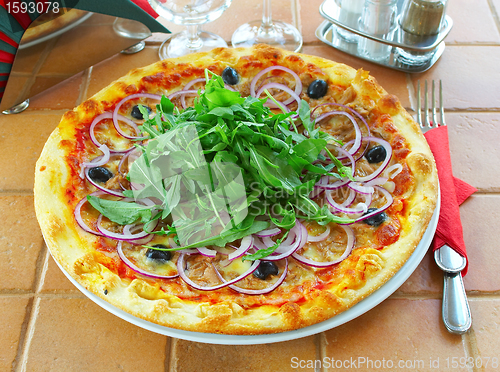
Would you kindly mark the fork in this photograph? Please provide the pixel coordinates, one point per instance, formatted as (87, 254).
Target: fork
(455, 309)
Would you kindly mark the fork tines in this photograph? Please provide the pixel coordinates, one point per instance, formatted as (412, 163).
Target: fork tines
(432, 113)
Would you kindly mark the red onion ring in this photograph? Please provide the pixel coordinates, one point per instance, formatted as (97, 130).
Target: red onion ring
(357, 140)
(102, 188)
(350, 198)
(394, 170)
(130, 229)
(360, 188)
(258, 244)
(347, 252)
(246, 244)
(122, 160)
(133, 267)
(359, 208)
(204, 251)
(100, 160)
(78, 213)
(109, 115)
(348, 108)
(320, 237)
(131, 123)
(382, 166)
(332, 186)
(268, 232)
(183, 93)
(347, 155)
(119, 236)
(389, 200)
(181, 271)
(193, 82)
(298, 82)
(287, 250)
(187, 86)
(269, 102)
(258, 291)
(268, 242)
(379, 181)
(360, 154)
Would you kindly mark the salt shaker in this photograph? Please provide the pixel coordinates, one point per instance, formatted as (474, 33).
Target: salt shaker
(377, 19)
(350, 12)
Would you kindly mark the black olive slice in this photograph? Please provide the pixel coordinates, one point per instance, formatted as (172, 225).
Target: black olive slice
(376, 154)
(376, 219)
(230, 76)
(265, 269)
(100, 174)
(159, 255)
(317, 89)
(137, 114)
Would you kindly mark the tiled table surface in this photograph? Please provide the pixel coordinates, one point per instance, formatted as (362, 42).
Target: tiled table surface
(48, 325)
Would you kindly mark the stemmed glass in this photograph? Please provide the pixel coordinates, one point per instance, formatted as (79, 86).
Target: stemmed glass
(268, 31)
(190, 13)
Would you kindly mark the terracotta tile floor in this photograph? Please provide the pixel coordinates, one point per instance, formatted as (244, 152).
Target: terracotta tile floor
(48, 325)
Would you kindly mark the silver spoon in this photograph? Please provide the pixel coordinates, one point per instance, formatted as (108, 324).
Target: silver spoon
(456, 311)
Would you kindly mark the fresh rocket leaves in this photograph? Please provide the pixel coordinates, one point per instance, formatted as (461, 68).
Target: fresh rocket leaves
(207, 172)
(122, 213)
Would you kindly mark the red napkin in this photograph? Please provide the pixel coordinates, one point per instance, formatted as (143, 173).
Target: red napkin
(6, 57)
(453, 193)
(8, 40)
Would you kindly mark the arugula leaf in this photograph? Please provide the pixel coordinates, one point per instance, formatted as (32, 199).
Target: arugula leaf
(230, 236)
(148, 178)
(305, 117)
(122, 213)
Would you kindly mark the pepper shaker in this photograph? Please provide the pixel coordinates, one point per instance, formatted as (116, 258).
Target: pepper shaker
(378, 19)
(423, 17)
(420, 22)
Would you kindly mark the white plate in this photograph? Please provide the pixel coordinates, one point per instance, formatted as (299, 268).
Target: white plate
(360, 308)
(55, 33)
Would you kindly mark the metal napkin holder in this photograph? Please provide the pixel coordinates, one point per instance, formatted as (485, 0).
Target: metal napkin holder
(433, 46)
(82, 43)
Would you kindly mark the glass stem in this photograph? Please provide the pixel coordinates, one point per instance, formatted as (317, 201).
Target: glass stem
(195, 41)
(267, 21)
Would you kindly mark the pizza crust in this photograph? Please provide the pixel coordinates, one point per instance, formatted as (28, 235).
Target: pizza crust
(363, 271)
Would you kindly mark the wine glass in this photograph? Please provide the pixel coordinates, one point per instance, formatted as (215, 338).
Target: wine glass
(190, 13)
(267, 31)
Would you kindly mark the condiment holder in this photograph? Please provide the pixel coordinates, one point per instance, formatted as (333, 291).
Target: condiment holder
(406, 35)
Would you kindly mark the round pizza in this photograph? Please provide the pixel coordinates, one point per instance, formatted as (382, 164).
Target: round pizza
(238, 191)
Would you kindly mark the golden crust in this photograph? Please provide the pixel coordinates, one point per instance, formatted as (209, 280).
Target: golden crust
(356, 277)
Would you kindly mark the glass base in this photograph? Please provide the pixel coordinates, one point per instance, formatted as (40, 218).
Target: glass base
(411, 58)
(136, 48)
(179, 44)
(131, 29)
(280, 34)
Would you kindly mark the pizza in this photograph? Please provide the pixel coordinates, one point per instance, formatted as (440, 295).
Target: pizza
(238, 191)
(50, 22)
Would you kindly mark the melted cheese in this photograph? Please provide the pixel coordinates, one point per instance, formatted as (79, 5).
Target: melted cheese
(236, 266)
